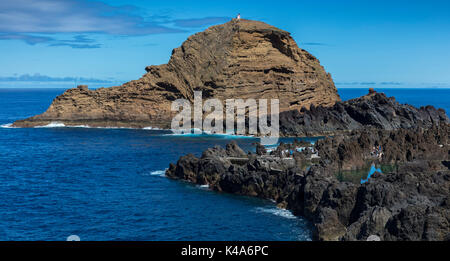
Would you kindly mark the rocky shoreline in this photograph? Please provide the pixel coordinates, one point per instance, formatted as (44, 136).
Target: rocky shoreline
(245, 59)
(410, 202)
(374, 110)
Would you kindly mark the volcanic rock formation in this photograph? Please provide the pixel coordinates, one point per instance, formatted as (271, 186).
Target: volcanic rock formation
(374, 110)
(238, 59)
(409, 202)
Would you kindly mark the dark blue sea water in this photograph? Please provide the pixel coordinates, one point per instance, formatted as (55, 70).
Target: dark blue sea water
(108, 184)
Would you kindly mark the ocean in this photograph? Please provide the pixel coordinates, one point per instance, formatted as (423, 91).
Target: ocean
(109, 184)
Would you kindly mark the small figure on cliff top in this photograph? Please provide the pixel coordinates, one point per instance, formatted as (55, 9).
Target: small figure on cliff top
(238, 17)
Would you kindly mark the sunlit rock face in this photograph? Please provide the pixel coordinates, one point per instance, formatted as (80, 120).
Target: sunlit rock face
(238, 59)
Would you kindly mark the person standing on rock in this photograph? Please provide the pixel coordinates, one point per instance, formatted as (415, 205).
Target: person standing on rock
(238, 17)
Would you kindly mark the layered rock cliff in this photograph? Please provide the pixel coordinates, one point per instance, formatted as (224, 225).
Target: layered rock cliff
(239, 59)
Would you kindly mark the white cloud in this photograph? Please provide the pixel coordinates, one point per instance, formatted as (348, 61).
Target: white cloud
(38, 21)
(70, 16)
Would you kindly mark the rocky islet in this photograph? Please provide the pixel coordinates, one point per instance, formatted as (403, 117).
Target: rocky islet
(240, 59)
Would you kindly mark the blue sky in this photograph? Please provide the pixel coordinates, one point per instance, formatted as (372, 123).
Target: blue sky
(398, 43)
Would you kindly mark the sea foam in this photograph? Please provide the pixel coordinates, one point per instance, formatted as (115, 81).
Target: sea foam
(62, 125)
(205, 187)
(151, 128)
(277, 212)
(200, 133)
(7, 126)
(160, 173)
(52, 125)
